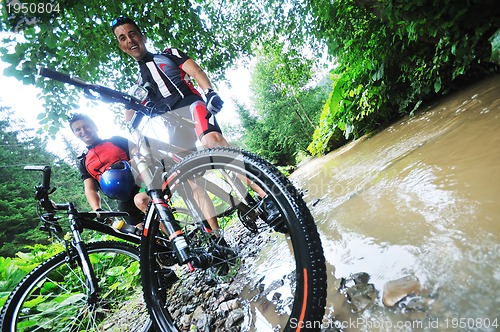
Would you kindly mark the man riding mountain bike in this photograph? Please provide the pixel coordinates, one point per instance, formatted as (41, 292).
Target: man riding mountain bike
(167, 77)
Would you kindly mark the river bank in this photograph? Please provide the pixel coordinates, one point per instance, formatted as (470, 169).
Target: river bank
(418, 199)
(409, 222)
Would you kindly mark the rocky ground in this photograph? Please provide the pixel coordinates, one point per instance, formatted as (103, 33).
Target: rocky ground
(199, 306)
(204, 302)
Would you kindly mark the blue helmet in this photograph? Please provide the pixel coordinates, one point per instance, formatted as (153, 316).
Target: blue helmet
(117, 182)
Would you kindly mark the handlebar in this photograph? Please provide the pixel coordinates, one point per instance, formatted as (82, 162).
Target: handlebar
(95, 91)
(80, 220)
(44, 190)
(61, 77)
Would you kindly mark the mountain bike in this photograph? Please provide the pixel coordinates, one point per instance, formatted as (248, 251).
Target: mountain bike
(86, 286)
(282, 258)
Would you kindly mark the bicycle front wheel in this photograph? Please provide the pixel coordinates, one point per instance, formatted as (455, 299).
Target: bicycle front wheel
(54, 296)
(270, 278)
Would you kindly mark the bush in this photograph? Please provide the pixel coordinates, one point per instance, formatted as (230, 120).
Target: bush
(393, 55)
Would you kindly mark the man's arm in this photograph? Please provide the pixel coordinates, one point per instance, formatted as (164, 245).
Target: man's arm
(194, 70)
(92, 193)
(214, 102)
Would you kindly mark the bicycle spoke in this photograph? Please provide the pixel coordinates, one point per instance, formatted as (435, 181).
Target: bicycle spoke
(54, 296)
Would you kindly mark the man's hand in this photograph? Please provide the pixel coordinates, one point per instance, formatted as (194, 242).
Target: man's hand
(214, 103)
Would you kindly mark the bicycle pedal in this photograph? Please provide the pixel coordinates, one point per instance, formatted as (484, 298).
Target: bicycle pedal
(168, 277)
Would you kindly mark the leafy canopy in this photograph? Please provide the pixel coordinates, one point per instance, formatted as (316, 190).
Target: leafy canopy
(392, 55)
(78, 40)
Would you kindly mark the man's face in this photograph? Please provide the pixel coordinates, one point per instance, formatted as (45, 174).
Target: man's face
(85, 131)
(131, 41)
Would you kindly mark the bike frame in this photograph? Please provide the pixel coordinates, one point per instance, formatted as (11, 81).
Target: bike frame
(77, 222)
(150, 170)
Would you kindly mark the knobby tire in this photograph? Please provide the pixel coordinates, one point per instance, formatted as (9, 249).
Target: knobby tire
(288, 269)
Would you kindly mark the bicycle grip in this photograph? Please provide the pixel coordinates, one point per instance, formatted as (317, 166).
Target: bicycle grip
(46, 173)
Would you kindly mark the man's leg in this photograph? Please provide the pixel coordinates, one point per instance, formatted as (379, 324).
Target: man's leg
(206, 205)
(213, 139)
(141, 200)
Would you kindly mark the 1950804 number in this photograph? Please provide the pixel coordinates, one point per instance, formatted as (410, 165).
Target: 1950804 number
(32, 8)
(471, 323)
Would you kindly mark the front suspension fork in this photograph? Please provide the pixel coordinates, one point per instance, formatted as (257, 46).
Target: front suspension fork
(153, 178)
(170, 226)
(178, 239)
(84, 260)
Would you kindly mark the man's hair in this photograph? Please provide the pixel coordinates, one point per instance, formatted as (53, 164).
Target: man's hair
(77, 117)
(123, 20)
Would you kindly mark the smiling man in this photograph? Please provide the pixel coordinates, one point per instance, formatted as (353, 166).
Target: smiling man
(102, 167)
(168, 77)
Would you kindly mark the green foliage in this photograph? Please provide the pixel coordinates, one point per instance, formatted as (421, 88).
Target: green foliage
(13, 270)
(78, 40)
(10, 276)
(393, 55)
(18, 221)
(287, 111)
(495, 47)
(390, 55)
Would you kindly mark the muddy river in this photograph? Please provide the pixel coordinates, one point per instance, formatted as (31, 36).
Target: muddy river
(419, 199)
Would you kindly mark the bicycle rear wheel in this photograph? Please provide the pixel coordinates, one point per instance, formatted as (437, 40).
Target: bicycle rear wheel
(270, 280)
(53, 297)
